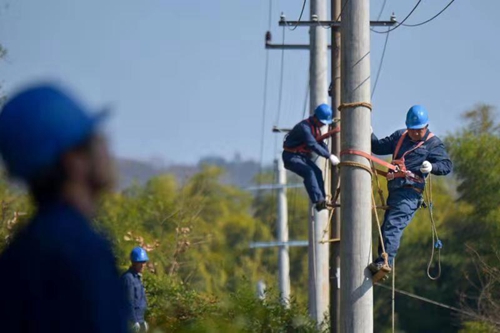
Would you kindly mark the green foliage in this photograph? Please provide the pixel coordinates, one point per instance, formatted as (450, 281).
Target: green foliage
(201, 267)
(202, 272)
(186, 310)
(477, 327)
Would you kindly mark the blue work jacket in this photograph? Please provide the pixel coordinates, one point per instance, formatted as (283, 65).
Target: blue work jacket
(136, 296)
(302, 134)
(432, 150)
(58, 275)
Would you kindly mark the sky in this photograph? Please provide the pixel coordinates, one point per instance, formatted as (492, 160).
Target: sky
(184, 78)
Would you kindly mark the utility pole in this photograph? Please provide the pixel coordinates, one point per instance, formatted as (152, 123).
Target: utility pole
(282, 227)
(319, 286)
(335, 176)
(355, 248)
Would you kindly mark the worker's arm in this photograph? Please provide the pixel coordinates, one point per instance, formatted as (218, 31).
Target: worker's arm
(317, 147)
(386, 145)
(129, 292)
(438, 157)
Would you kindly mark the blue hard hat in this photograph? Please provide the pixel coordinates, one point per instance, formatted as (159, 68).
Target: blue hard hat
(138, 254)
(324, 114)
(38, 125)
(417, 117)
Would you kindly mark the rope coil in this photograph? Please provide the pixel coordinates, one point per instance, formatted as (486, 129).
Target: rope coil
(357, 165)
(436, 242)
(355, 105)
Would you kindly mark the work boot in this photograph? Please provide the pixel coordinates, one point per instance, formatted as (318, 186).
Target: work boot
(374, 267)
(323, 204)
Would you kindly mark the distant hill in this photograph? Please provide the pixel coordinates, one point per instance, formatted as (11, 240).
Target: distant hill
(237, 172)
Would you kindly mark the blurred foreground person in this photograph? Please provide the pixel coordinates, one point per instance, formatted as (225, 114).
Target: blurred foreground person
(134, 289)
(58, 274)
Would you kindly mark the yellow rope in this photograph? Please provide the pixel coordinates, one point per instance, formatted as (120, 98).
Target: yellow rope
(394, 296)
(357, 165)
(435, 236)
(384, 254)
(355, 105)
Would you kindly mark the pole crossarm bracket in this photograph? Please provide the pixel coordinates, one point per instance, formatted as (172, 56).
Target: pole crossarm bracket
(304, 47)
(332, 24)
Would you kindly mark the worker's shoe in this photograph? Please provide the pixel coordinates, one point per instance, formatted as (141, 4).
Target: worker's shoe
(374, 267)
(323, 204)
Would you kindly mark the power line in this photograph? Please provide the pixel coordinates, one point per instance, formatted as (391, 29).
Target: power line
(264, 103)
(381, 10)
(432, 18)
(280, 96)
(442, 305)
(300, 17)
(306, 99)
(380, 65)
(282, 71)
(400, 23)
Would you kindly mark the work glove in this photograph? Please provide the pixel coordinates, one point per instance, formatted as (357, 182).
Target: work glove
(146, 327)
(426, 167)
(136, 327)
(334, 160)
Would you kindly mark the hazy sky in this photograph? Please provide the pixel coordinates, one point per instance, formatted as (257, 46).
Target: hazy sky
(184, 77)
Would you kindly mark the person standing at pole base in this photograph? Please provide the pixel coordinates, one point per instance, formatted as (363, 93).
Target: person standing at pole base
(416, 152)
(298, 147)
(134, 289)
(59, 275)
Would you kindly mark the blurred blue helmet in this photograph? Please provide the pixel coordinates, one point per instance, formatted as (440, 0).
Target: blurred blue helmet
(138, 254)
(417, 117)
(38, 125)
(324, 114)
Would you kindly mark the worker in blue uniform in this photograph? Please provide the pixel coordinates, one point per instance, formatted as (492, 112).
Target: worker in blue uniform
(134, 289)
(416, 152)
(59, 274)
(300, 143)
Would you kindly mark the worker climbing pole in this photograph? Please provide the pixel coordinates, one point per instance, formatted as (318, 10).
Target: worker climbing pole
(303, 140)
(416, 152)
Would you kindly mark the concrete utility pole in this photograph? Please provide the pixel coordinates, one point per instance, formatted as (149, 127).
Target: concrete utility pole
(282, 227)
(319, 286)
(356, 311)
(335, 223)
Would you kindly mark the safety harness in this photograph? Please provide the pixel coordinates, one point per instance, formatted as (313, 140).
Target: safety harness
(316, 132)
(397, 167)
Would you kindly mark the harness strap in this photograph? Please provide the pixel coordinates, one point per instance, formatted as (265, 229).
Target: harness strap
(400, 143)
(397, 167)
(316, 132)
(370, 157)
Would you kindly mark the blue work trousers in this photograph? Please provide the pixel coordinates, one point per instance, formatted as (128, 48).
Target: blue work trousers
(403, 204)
(312, 175)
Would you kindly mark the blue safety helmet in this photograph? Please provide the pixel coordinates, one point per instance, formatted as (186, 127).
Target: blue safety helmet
(38, 125)
(417, 117)
(138, 254)
(324, 114)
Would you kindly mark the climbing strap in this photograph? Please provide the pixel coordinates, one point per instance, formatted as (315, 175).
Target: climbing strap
(355, 105)
(379, 228)
(436, 242)
(356, 165)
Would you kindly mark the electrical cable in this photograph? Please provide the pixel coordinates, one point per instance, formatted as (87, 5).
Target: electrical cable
(300, 17)
(264, 102)
(400, 23)
(432, 18)
(380, 65)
